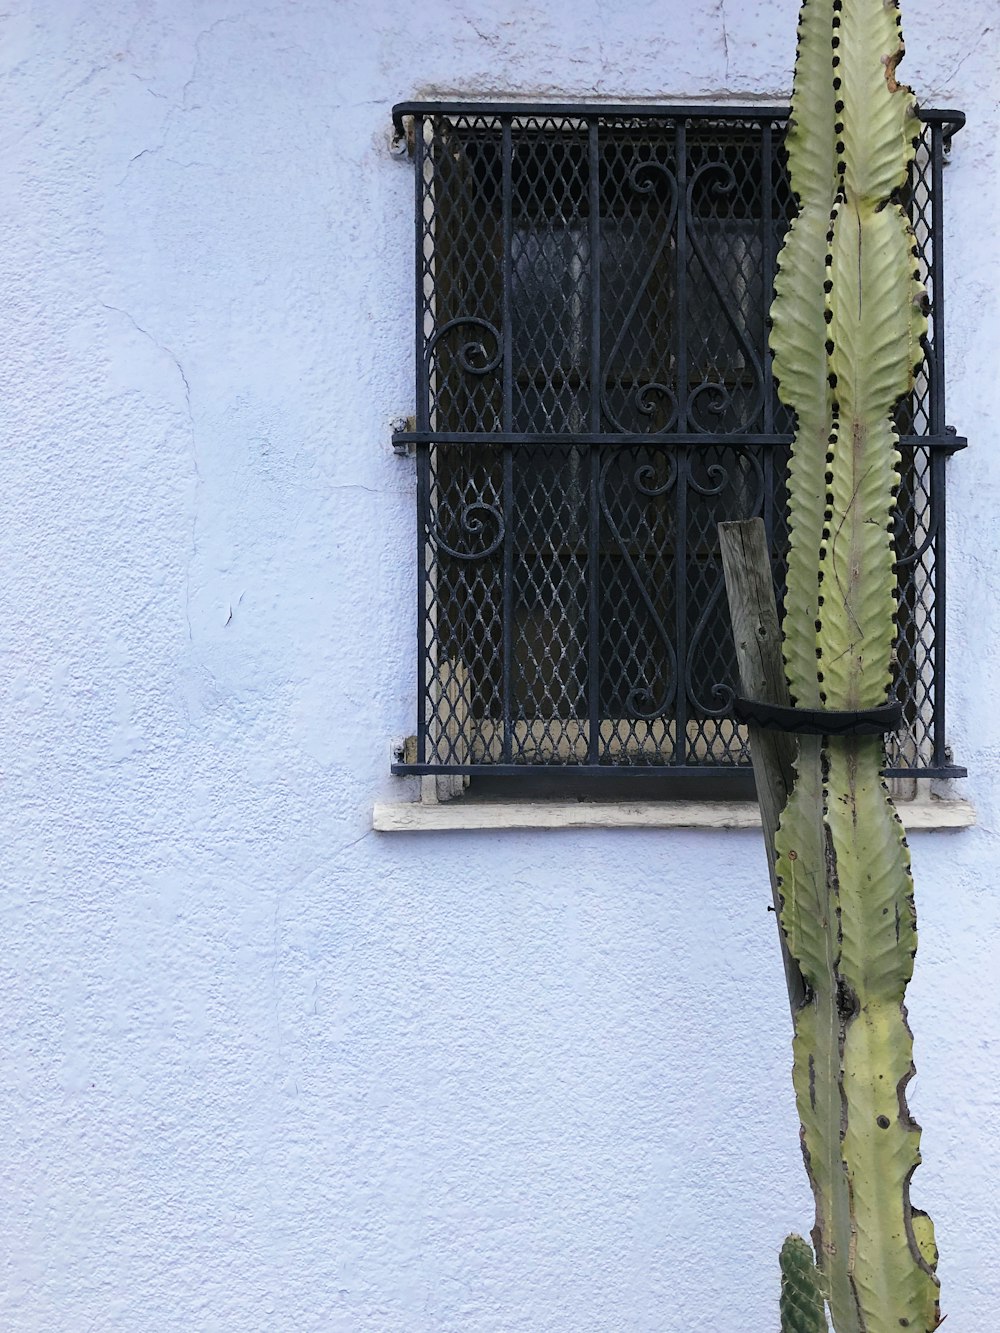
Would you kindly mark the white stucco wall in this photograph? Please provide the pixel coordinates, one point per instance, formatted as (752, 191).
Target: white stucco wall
(264, 1069)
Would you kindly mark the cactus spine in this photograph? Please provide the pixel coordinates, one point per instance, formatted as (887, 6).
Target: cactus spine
(848, 319)
(802, 1306)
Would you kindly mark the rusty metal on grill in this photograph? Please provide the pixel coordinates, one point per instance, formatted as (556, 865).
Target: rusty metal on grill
(593, 396)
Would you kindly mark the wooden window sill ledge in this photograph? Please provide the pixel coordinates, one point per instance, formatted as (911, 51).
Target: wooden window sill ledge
(922, 815)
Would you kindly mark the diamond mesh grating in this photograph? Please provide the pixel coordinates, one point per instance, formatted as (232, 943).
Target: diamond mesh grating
(594, 397)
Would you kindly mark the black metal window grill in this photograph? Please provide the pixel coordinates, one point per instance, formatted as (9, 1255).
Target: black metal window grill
(593, 396)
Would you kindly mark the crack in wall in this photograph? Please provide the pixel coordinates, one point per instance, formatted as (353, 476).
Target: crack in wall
(971, 52)
(181, 103)
(53, 110)
(172, 356)
(160, 97)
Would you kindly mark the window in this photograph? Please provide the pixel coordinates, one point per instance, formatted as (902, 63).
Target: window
(593, 396)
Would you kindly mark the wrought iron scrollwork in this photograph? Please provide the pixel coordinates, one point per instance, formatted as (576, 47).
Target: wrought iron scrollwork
(719, 479)
(923, 514)
(644, 477)
(713, 396)
(474, 519)
(747, 465)
(645, 398)
(643, 705)
(473, 347)
(911, 556)
(644, 701)
(743, 472)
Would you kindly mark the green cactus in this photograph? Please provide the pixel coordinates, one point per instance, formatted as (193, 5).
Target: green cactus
(802, 1305)
(848, 319)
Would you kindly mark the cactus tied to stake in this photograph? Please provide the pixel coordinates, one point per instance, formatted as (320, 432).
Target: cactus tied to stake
(848, 320)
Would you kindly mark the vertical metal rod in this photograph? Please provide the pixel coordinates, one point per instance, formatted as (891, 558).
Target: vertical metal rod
(768, 255)
(423, 553)
(939, 461)
(507, 259)
(421, 407)
(938, 426)
(594, 611)
(683, 456)
(682, 244)
(937, 415)
(508, 600)
(594, 514)
(767, 272)
(422, 413)
(595, 279)
(681, 583)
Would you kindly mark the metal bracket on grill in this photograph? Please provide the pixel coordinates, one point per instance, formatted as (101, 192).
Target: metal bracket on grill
(401, 142)
(821, 721)
(400, 427)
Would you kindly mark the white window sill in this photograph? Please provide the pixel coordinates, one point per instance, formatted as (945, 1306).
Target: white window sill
(927, 814)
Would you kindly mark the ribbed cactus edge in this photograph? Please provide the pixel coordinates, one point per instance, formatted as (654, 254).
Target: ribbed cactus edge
(848, 319)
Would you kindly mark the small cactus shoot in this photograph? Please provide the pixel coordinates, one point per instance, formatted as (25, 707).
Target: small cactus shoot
(803, 1309)
(848, 320)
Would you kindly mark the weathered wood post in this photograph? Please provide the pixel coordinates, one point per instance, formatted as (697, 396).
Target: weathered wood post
(757, 636)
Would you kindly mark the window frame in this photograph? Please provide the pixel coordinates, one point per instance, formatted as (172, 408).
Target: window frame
(940, 441)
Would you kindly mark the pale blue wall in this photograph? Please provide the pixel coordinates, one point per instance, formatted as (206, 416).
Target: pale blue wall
(263, 1068)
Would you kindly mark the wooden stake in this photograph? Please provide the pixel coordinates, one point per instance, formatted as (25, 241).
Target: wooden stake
(757, 635)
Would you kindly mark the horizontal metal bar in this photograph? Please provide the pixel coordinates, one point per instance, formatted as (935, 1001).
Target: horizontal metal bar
(571, 439)
(570, 770)
(629, 770)
(953, 120)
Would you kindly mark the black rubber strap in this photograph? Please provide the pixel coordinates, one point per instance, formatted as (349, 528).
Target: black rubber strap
(821, 721)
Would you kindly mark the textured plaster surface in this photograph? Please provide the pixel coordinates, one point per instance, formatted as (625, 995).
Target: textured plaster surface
(264, 1069)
